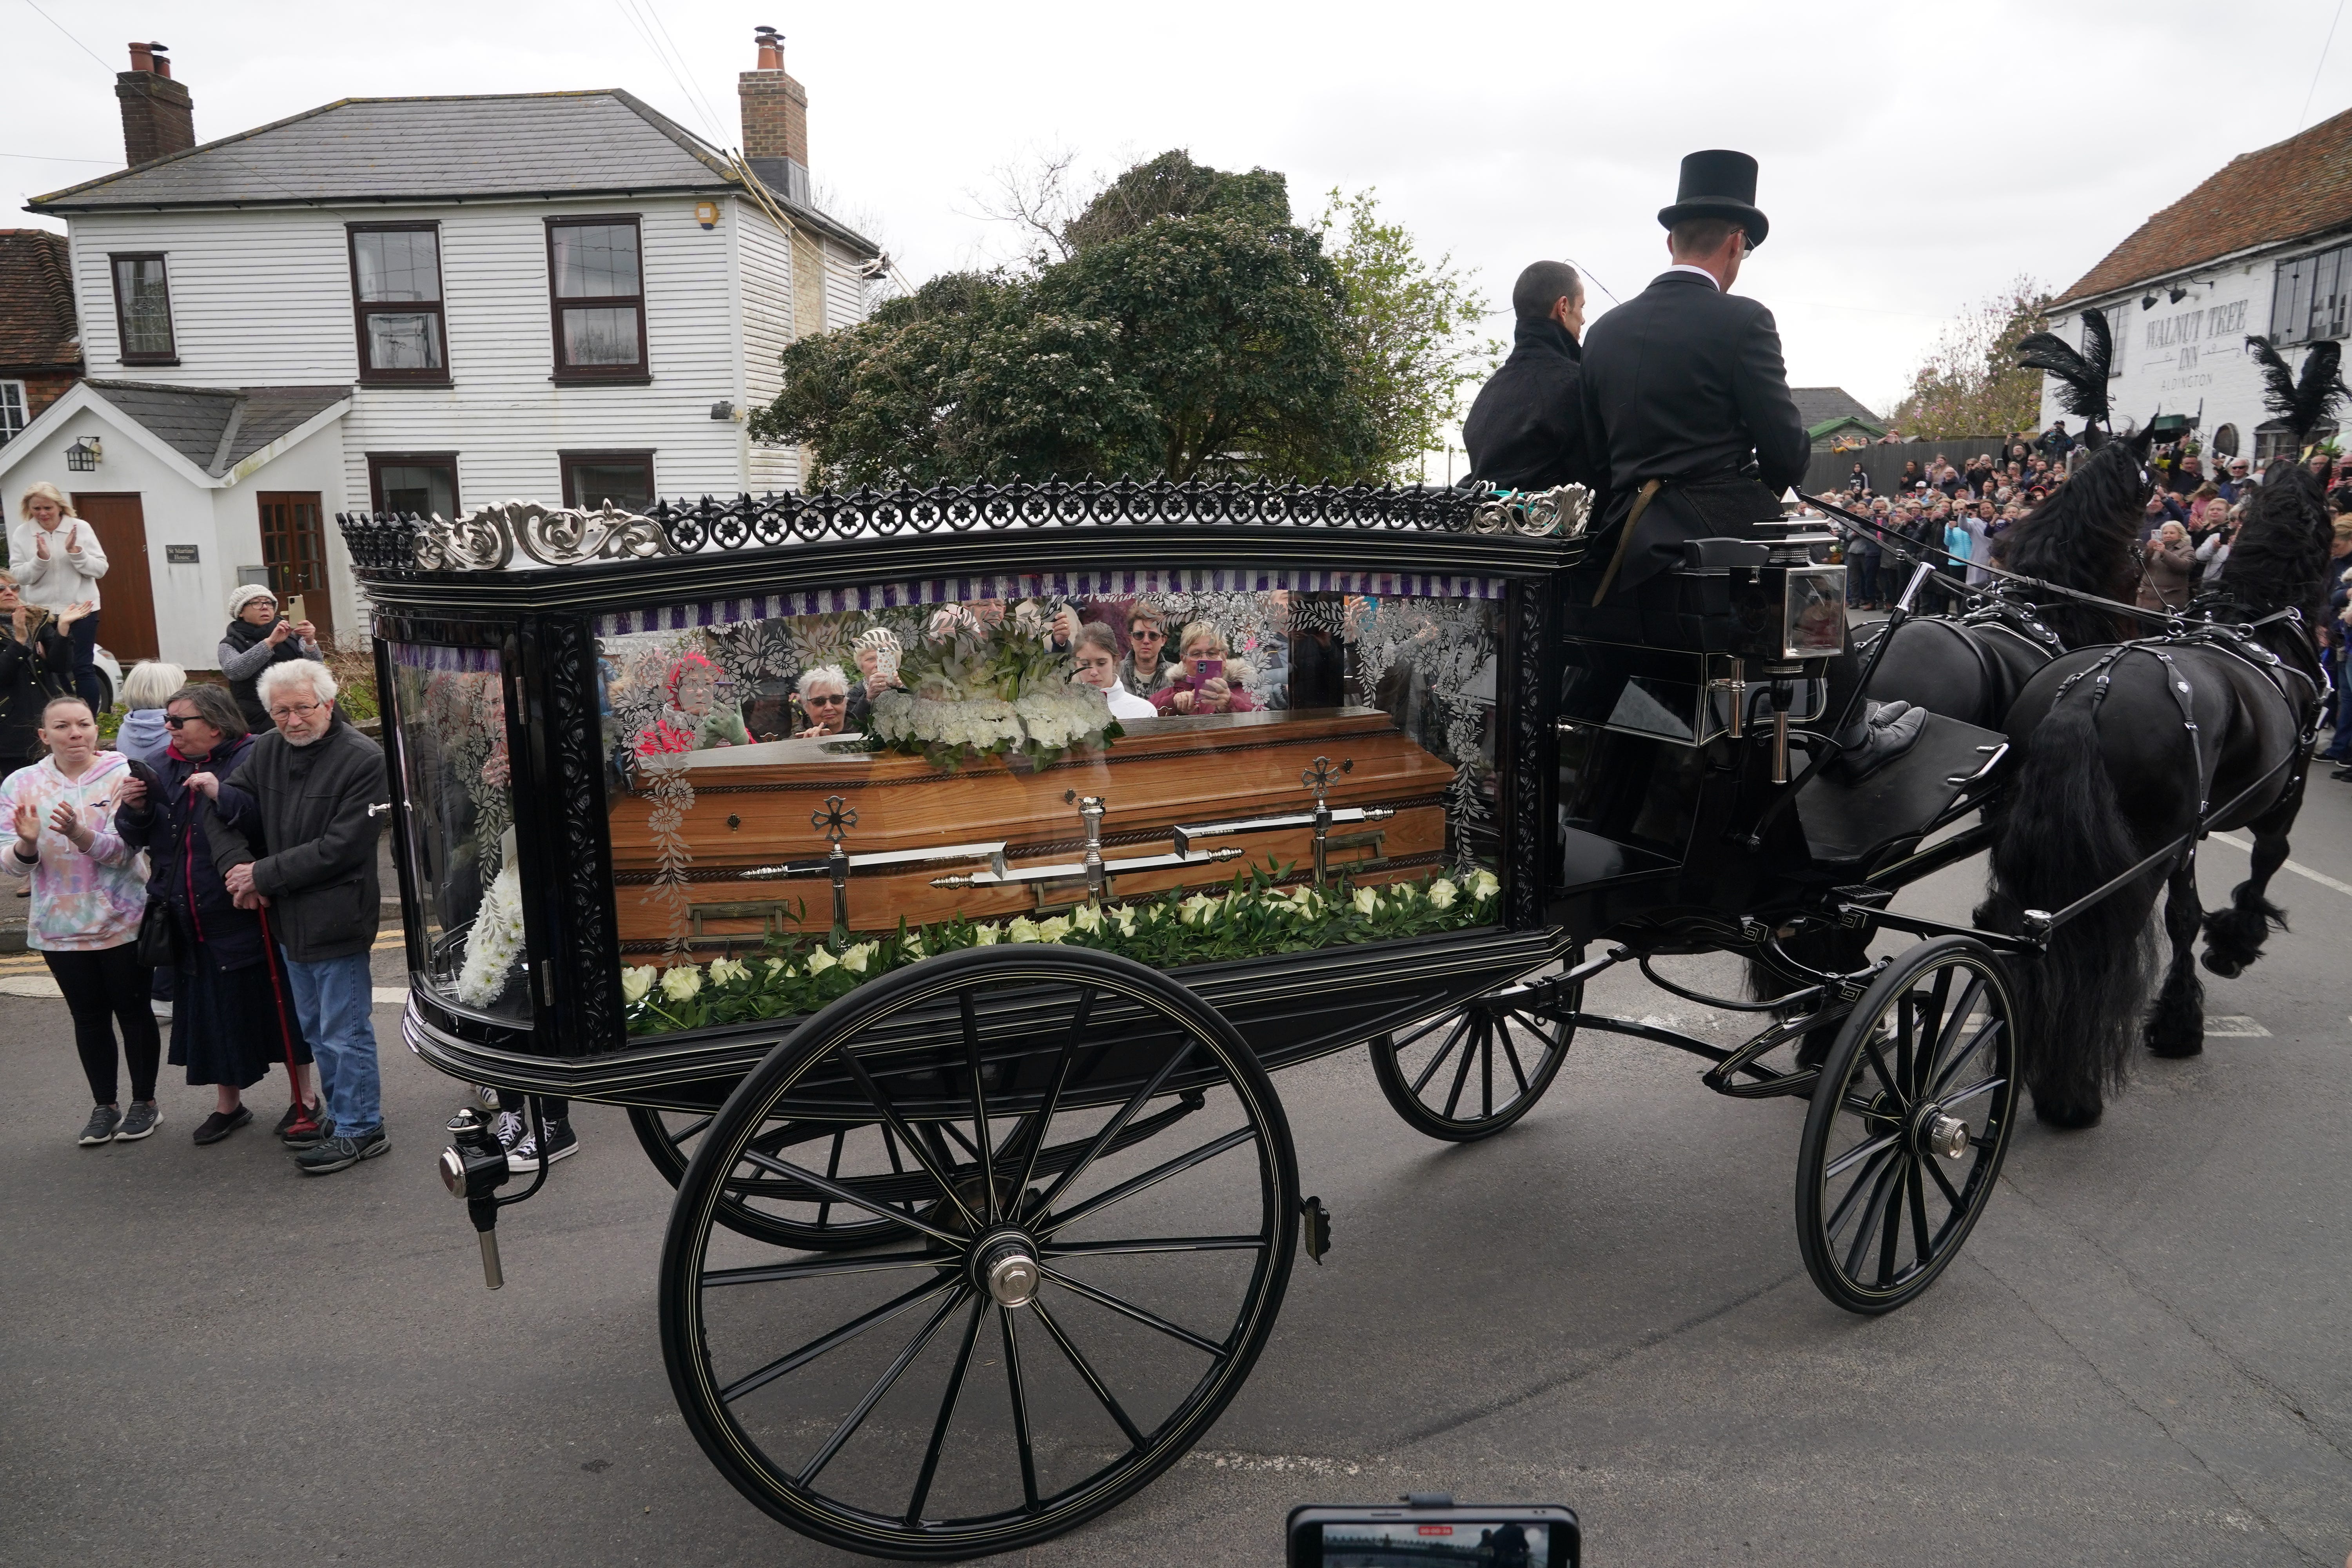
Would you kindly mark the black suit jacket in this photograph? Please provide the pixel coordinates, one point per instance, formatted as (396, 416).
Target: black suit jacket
(1526, 431)
(1685, 383)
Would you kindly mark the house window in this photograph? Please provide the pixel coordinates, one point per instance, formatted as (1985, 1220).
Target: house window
(2225, 441)
(396, 294)
(592, 478)
(13, 407)
(2274, 439)
(143, 309)
(424, 483)
(597, 290)
(2309, 297)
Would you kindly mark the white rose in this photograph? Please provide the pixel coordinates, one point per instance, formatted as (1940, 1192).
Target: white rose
(1022, 929)
(1368, 901)
(986, 935)
(1054, 930)
(681, 982)
(820, 960)
(723, 970)
(856, 958)
(636, 982)
(1087, 917)
(777, 966)
(1442, 894)
(1482, 885)
(1125, 916)
(1198, 909)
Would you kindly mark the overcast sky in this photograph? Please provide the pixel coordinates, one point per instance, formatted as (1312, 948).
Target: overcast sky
(1916, 157)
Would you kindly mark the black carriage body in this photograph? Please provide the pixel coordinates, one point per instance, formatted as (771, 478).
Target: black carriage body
(560, 1029)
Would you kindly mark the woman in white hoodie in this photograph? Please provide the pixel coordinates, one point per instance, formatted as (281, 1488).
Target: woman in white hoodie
(57, 561)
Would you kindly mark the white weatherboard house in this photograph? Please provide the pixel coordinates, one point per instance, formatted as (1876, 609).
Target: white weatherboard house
(418, 304)
(2262, 245)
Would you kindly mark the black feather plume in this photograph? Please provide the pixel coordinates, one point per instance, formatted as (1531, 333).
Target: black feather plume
(2303, 404)
(2082, 374)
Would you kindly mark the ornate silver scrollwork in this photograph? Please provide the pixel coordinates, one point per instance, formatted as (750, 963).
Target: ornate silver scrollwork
(486, 539)
(1563, 509)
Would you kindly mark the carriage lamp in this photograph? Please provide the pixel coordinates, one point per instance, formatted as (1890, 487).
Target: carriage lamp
(473, 1168)
(83, 455)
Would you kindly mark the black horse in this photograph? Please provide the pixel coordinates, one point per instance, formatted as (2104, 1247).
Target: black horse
(2133, 747)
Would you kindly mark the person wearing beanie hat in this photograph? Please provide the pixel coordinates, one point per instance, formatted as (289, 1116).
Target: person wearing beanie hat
(257, 638)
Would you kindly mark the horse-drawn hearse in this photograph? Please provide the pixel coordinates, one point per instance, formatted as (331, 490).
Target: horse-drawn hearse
(955, 1023)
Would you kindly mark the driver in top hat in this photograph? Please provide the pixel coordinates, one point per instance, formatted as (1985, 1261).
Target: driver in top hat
(1689, 429)
(1685, 401)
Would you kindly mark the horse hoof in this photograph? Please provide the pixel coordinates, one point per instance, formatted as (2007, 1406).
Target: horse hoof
(2227, 968)
(2175, 1049)
(2067, 1118)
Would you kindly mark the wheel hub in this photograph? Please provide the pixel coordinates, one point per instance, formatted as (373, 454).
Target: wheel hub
(1936, 1132)
(1005, 1267)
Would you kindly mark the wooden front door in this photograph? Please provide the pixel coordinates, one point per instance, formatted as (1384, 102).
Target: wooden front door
(126, 594)
(294, 547)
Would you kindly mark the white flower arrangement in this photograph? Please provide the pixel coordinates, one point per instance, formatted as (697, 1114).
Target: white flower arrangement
(979, 689)
(495, 944)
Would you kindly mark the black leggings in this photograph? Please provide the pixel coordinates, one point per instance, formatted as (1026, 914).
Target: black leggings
(102, 989)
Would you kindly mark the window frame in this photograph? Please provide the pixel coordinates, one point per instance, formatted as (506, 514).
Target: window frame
(23, 407)
(122, 351)
(2297, 302)
(566, 374)
(362, 309)
(566, 461)
(378, 461)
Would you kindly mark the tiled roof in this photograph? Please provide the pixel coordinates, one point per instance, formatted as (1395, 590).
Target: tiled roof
(37, 302)
(217, 427)
(1817, 404)
(357, 149)
(2300, 186)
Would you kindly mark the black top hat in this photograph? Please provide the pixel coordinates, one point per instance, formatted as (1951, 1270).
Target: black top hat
(1718, 184)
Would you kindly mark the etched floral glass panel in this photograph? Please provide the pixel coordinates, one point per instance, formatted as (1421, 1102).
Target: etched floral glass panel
(449, 731)
(809, 790)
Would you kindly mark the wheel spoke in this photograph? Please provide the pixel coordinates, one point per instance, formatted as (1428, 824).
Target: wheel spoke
(1084, 1369)
(1935, 1169)
(683, 1133)
(1907, 1016)
(1462, 1076)
(1518, 1073)
(1126, 1309)
(840, 1336)
(947, 1414)
(1115, 1126)
(856, 1418)
(832, 1174)
(1157, 1244)
(1052, 1100)
(1428, 1027)
(1987, 1087)
(1486, 1067)
(1920, 1210)
(984, 1154)
(1962, 1010)
(850, 1195)
(1893, 1227)
(1862, 1185)
(1931, 1022)
(1460, 1028)
(1873, 1211)
(1878, 1066)
(1858, 1153)
(1967, 1054)
(890, 1117)
(869, 1263)
(1134, 1184)
(1019, 1392)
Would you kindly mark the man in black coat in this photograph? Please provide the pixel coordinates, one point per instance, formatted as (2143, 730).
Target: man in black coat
(1526, 430)
(1686, 409)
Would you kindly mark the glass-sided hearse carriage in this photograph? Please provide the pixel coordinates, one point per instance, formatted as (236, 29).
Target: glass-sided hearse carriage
(951, 1015)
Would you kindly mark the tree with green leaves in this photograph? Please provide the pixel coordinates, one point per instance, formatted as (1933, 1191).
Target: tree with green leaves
(1969, 383)
(1188, 326)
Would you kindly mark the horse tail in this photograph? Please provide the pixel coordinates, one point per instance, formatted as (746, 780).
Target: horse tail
(2061, 834)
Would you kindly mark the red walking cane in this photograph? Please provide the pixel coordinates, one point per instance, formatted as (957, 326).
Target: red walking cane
(303, 1120)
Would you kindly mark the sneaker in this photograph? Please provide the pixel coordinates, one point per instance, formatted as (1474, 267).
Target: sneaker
(560, 1141)
(162, 1011)
(303, 1132)
(486, 1098)
(219, 1125)
(103, 1121)
(336, 1153)
(510, 1128)
(296, 1111)
(142, 1118)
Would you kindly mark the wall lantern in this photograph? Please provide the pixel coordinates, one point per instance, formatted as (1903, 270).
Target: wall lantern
(2148, 302)
(2176, 293)
(83, 455)
(707, 213)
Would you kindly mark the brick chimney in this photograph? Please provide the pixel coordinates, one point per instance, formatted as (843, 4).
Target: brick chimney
(158, 117)
(775, 120)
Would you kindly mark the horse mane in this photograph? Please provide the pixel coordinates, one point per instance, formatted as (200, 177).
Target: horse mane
(2280, 559)
(2082, 537)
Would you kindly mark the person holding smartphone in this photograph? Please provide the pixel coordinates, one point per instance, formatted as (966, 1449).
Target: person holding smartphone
(1203, 683)
(257, 638)
(57, 561)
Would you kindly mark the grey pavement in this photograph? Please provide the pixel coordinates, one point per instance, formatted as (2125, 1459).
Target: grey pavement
(2140, 1357)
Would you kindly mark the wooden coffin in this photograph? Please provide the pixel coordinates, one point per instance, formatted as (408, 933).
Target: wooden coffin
(748, 856)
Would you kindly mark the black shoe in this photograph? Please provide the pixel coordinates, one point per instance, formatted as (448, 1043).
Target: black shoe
(560, 1141)
(220, 1124)
(304, 1132)
(100, 1128)
(140, 1120)
(337, 1153)
(1878, 740)
(313, 1113)
(2344, 773)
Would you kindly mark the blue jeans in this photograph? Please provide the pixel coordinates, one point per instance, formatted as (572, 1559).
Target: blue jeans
(335, 999)
(82, 638)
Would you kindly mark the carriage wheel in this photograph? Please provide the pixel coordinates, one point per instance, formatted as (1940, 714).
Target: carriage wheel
(1043, 1345)
(1471, 1070)
(771, 1208)
(1908, 1125)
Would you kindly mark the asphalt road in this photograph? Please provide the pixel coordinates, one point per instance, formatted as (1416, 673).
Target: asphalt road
(2139, 1358)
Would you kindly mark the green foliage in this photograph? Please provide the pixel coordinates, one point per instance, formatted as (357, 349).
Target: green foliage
(1190, 328)
(1256, 917)
(1970, 383)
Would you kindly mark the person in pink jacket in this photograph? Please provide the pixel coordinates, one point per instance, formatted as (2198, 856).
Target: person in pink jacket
(88, 895)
